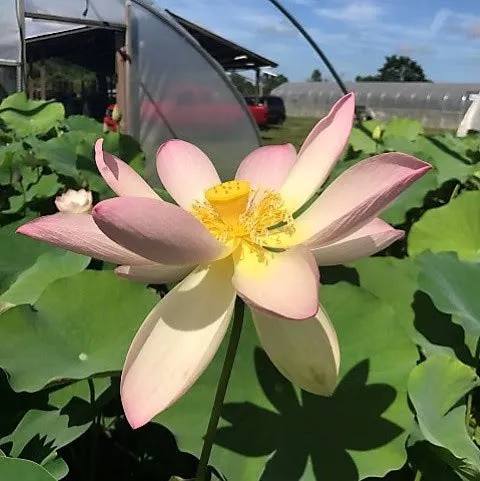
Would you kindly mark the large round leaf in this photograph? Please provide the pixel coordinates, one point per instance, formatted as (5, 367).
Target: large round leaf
(357, 433)
(27, 117)
(408, 129)
(84, 124)
(448, 163)
(22, 470)
(435, 387)
(361, 140)
(80, 326)
(49, 267)
(61, 153)
(453, 227)
(28, 266)
(411, 198)
(23, 251)
(453, 286)
(395, 282)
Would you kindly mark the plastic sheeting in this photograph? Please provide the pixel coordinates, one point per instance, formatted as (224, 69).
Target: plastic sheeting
(104, 10)
(183, 94)
(8, 80)
(10, 42)
(37, 28)
(436, 105)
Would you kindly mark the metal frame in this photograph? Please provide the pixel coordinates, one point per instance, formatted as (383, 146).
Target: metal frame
(86, 22)
(8, 63)
(128, 115)
(21, 65)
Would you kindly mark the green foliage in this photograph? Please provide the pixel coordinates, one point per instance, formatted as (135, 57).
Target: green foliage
(26, 117)
(316, 76)
(453, 227)
(269, 83)
(407, 323)
(243, 85)
(435, 387)
(21, 469)
(448, 281)
(397, 69)
(72, 305)
(59, 72)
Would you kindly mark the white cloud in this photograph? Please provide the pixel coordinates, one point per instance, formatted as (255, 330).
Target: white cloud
(357, 11)
(439, 20)
(269, 24)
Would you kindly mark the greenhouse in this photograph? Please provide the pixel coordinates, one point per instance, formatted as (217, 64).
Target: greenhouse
(183, 92)
(435, 105)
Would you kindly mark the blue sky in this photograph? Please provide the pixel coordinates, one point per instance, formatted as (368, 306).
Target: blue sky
(442, 35)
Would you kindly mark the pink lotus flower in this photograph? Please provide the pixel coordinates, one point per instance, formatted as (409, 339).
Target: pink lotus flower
(244, 239)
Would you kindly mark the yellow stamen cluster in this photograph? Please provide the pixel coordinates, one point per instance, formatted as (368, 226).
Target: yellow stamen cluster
(234, 213)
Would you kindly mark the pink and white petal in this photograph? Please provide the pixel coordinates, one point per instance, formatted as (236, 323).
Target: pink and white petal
(185, 171)
(267, 167)
(366, 241)
(79, 233)
(154, 273)
(282, 284)
(356, 197)
(306, 353)
(157, 230)
(176, 342)
(319, 154)
(121, 178)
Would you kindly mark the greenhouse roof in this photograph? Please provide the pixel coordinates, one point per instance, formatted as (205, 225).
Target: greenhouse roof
(77, 45)
(228, 54)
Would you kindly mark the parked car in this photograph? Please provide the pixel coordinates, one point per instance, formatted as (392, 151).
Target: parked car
(258, 111)
(276, 109)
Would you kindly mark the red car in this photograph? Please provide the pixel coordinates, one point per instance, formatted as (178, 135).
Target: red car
(258, 111)
(193, 106)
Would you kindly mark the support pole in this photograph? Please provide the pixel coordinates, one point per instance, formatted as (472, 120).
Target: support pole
(258, 85)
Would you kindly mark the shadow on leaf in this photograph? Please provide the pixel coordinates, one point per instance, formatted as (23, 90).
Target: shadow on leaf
(315, 427)
(438, 327)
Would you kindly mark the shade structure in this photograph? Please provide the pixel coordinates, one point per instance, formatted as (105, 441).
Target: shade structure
(174, 87)
(436, 105)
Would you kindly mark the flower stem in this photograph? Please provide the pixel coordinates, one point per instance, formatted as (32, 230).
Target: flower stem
(470, 394)
(221, 390)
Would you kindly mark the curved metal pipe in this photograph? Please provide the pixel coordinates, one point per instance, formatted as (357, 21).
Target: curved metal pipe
(313, 44)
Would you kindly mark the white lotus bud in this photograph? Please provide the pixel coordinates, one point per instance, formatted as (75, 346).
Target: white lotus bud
(75, 201)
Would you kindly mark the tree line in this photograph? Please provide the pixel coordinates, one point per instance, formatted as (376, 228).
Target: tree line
(396, 68)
